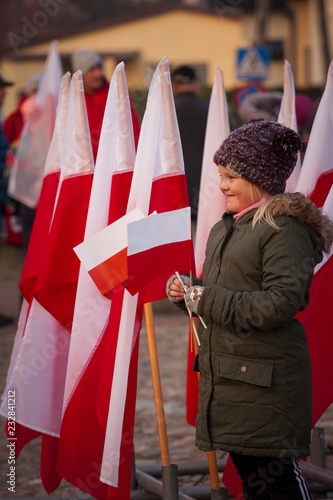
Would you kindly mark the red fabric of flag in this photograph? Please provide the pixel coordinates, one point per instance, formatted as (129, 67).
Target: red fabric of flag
(39, 235)
(57, 282)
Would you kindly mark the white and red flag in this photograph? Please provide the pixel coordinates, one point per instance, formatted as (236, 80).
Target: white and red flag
(164, 178)
(104, 254)
(35, 253)
(315, 181)
(44, 212)
(157, 245)
(287, 117)
(318, 323)
(316, 176)
(56, 284)
(93, 344)
(158, 184)
(26, 179)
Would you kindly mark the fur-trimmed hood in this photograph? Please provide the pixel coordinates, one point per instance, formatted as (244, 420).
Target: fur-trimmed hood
(298, 206)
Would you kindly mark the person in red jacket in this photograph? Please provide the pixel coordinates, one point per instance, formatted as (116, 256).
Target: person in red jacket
(96, 90)
(14, 122)
(13, 126)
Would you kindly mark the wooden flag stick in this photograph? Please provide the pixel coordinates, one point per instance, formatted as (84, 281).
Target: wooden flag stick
(155, 371)
(158, 396)
(211, 455)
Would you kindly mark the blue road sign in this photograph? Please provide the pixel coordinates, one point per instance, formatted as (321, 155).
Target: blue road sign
(253, 63)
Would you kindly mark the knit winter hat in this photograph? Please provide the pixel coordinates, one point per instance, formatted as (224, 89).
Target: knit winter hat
(262, 152)
(84, 59)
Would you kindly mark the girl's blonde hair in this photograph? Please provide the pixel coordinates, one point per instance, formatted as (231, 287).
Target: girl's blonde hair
(266, 212)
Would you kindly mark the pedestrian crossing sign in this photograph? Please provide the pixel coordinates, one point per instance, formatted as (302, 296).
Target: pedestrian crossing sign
(253, 63)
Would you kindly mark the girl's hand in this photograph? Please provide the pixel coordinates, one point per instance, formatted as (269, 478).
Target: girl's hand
(192, 298)
(174, 289)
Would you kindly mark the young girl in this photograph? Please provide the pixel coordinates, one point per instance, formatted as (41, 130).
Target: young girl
(255, 373)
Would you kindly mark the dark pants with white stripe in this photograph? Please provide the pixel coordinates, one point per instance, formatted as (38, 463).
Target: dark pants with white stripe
(268, 478)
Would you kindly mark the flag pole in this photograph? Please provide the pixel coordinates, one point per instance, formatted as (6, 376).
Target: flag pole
(157, 386)
(211, 455)
(160, 416)
(169, 472)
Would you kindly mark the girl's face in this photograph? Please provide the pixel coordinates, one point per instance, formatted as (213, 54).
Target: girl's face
(239, 193)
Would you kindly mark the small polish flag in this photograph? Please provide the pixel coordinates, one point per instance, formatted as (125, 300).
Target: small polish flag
(157, 245)
(104, 255)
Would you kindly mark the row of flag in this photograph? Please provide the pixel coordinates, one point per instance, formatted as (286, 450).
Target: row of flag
(74, 360)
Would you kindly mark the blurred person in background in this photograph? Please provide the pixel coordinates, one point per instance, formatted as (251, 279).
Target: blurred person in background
(13, 126)
(14, 122)
(192, 118)
(4, 145)
(4, 83)
(96, 90)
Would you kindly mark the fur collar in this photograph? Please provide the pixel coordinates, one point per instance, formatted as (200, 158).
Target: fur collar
(298, 206)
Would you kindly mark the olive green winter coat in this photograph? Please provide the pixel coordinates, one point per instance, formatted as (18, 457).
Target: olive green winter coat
(255, 373)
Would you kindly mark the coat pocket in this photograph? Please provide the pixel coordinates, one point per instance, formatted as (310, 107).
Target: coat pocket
(245, 383)
(248, 370)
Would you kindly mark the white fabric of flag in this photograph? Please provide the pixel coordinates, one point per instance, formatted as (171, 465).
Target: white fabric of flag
(158, 229)
(211, 201)
(26, 179)
(287, 117)
(319, 152)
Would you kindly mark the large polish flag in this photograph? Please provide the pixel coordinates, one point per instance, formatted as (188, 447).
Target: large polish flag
(318, 323)
(26, 179)
(37, 246)
(44, 212)
(161, 147)
(315, 181)
(67, 229)
(56, 284)
(92, 347)
(158, 184)
(287, 117)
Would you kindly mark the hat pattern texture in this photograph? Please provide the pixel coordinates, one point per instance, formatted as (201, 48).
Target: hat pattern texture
(262, 152)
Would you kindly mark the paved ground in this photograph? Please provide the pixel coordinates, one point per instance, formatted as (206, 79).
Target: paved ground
(171, 333)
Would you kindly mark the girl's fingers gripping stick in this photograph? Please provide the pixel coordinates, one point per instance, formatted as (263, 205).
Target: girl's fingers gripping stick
(189, 311)
(181, 281)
